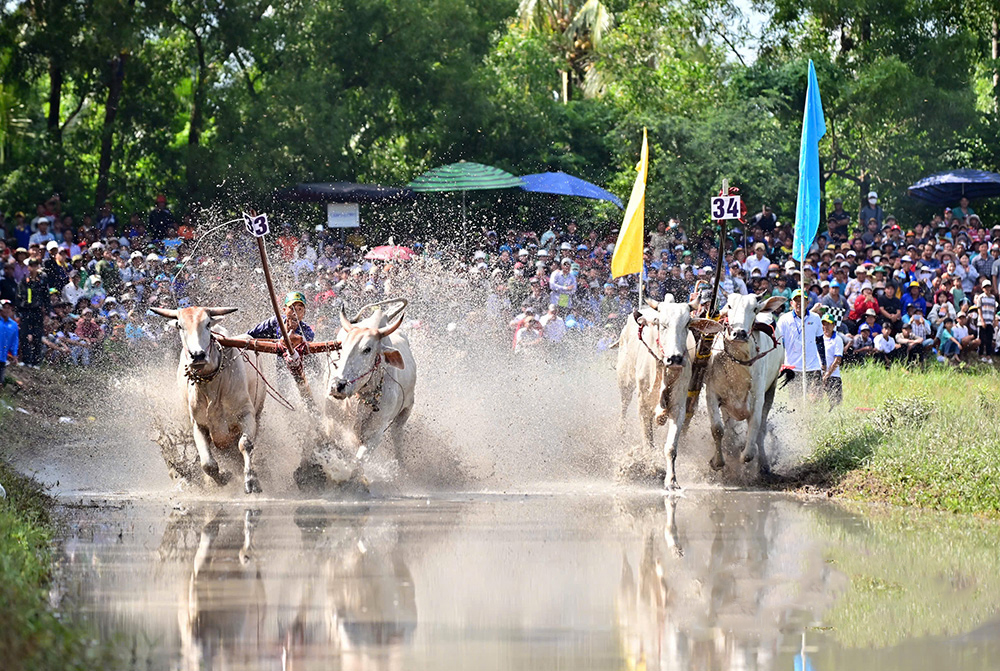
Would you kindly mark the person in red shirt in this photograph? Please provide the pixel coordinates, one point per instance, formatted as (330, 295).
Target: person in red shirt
(287, 243)
(866, 301)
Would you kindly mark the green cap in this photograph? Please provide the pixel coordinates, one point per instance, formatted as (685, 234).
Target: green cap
(827, 319)
(796, 294)
(295, 297)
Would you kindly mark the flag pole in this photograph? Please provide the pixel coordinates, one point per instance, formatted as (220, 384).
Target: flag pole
(802, 303)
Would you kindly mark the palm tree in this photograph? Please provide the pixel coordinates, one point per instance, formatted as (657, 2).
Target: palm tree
(577, 31)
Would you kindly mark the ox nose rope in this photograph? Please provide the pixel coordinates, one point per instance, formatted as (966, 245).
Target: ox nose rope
(203, 379)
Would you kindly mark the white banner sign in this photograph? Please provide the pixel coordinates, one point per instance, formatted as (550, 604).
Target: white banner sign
(256, 224)
(342, 215)
(726, 207)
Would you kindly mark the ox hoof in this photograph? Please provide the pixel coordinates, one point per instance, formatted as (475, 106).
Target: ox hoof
(748, 457)
(218, 477)
(252, 485)
(671, 486)
(718, 462)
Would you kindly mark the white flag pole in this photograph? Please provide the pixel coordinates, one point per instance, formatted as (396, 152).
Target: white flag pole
(802, 308)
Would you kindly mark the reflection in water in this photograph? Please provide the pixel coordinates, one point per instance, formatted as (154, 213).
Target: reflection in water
(716, 586)
(727, 581)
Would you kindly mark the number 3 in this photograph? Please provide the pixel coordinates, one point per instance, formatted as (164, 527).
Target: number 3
(718, 208)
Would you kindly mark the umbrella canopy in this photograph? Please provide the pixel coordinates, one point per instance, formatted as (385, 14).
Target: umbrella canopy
(342, 192)
(567, 185)
(945, 188)
(465, 176)
(390, 253)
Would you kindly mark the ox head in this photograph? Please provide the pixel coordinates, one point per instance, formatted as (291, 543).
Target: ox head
(363, 349)
(673, 321)
(194, 325)
(741, 312)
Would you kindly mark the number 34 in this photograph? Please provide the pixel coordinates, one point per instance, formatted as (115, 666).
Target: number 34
(726, 207)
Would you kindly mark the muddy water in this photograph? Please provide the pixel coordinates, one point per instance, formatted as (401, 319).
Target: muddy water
(598, 579)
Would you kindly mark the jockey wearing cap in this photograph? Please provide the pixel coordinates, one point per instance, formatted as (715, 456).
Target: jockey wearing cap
(295, 312)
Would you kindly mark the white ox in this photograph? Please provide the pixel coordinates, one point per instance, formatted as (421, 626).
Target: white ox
(370, 386)
(654, 356)
(224, 398)
(742, 375)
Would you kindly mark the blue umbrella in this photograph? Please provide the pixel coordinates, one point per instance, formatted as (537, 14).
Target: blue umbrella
(567, 185)
(945, 188)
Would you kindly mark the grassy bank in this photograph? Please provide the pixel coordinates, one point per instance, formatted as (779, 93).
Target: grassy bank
(929, 439)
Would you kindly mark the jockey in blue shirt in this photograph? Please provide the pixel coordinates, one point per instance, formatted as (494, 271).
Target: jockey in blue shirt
(295, 312)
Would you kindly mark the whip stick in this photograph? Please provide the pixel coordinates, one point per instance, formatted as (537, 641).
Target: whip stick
(294, 360)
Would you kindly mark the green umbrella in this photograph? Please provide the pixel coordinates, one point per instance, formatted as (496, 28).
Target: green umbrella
(464, 176)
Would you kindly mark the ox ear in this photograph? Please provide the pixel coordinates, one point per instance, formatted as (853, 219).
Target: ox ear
(220, 312)
(653, 304)
(163, 312)
(705, 326)
(771, 304)
(393, 358)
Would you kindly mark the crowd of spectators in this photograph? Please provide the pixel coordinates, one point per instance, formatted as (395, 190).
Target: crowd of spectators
(77, 291)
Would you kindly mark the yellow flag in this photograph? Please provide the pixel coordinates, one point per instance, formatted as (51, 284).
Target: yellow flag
(628, 250)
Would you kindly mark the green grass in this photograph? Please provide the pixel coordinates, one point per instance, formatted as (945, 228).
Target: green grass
(930, 439)
(31, 635)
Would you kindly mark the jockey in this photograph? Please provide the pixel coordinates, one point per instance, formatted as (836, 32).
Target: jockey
(295, 312)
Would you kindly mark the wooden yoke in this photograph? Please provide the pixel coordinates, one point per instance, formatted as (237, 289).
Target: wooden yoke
(268, 346)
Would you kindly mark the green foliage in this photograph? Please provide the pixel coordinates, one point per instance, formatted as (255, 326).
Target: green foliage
(911, 450)
(232, 99)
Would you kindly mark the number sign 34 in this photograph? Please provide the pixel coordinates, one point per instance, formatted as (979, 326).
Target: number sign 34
(256, 225)
(726, 207)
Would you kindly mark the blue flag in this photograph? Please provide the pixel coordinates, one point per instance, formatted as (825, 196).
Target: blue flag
(807, 207)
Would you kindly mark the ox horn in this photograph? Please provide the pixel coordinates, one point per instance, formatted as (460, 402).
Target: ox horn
(653, 304)
(220, 312)
(344, 321)
(388, 330)
(164, 312)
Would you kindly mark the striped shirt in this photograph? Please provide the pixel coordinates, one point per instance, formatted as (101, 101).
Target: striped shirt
(987, 308)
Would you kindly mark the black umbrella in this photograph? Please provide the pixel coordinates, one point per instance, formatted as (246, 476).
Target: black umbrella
(945, 188)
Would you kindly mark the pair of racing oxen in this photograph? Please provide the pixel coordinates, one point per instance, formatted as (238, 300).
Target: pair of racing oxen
(656, 352)
(368, 388)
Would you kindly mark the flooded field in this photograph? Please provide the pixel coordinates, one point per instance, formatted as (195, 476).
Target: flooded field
(593, 578)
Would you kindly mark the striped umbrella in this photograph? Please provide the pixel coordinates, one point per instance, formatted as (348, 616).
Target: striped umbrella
(464, 176)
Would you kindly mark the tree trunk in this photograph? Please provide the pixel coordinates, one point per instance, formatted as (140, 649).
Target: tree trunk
(866, 186)
(996, 61)
(115, 85)
(197, 114)
(55, 101)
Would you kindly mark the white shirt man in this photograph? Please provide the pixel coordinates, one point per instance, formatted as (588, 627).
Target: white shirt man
(73, 292)
(789, 330)
(553, 325)
(885, 343)
(758, 261)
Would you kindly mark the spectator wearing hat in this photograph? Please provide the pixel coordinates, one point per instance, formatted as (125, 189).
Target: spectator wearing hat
(57, 267)
(863, 346)
(43, 235)
(871, 210)
(72, 291)
(161, 219)
(914, 296)
(757, 260)
(562, 284)
(838, 221)
(986, 304)
(32, 306)
(9, 338)
(134, 273)
(833, 347)
(791, 328)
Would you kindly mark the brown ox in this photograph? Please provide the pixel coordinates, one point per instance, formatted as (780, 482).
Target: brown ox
(224, 398)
